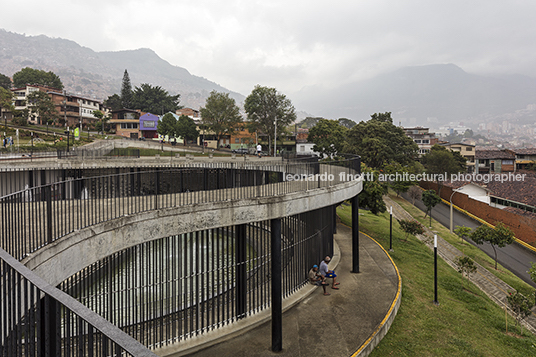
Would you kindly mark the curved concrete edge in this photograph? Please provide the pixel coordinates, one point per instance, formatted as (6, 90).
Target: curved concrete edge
(59, 260)
(197, 343)
(384, 326)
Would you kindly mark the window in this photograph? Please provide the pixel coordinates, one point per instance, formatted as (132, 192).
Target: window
(237, 141)
(426, 141)
(417, 141)
(468, 148)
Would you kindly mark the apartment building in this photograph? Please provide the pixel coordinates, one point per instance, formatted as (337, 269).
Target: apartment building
(422, 137)
(466, 150)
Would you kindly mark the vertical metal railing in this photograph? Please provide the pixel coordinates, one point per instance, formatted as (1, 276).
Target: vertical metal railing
(40, 320)
(41, 214)
(178, 287)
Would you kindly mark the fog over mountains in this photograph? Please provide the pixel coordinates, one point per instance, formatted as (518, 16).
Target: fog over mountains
(429, 95)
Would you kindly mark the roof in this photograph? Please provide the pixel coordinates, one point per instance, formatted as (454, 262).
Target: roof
(494, 154)
(525, 151)
(450, 144)
(518, 191)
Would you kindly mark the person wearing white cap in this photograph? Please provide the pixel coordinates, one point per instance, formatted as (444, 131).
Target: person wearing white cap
(316, 279)
(326, 273)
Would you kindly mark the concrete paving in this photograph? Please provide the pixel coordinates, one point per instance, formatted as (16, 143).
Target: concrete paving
(336, 325)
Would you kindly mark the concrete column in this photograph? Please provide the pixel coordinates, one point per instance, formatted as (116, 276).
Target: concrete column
(277, 298)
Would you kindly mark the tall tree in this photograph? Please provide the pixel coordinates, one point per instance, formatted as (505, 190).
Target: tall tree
(328, 136)
(347, 123)
(42, 106)
(126, 91)
(5, 81)
(379, 142)
(113, 102)
(154, 99)
(267, 110)
(6, 100)
(186, 128)
(220, 114)
(167, 125)
(440, 161)
(36, 76)
(371, 196)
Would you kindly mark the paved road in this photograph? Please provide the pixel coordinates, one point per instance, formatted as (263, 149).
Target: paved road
(513, 257)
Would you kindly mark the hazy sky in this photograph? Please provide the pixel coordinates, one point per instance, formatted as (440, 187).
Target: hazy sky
(291, 44)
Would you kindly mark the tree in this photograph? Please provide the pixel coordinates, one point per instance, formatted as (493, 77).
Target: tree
(41, 105)
(101, 125)
(268, 111)
(5, 81)
(379, 142)
(399, 177)
(328, 137)
(114, 102)
(347, 123)
(371, 196)
(462, 231)
(520, 305)
(466, 266)
(186, 128)
(126, 91)
(36, 76)
(411, 227)
(500, 236)
(415, 193)
(440, 161)
(430, 200)
(167, 125)
(220, 114)
(6, 100)
(154, 100)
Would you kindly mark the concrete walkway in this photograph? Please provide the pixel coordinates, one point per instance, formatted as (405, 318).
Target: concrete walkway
(353, 318)
(495, 288)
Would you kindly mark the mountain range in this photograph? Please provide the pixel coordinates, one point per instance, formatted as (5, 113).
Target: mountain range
(429, 95)
(99, 74)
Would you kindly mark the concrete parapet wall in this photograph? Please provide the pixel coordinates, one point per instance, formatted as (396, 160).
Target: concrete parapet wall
(70, 254)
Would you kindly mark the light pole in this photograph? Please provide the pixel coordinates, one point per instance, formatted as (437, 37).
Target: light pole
(391, 229)
(275, 136)
(451, 219)
(435, 270)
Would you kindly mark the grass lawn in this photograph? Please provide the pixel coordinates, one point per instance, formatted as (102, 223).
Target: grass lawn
(468, 249)
(465, 323)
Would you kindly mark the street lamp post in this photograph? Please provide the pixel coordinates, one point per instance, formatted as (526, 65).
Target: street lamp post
(275, 136)
(451, 213)
(435, 270)
(391, 229)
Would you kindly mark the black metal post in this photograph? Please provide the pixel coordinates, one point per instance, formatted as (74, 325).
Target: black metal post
(355, 234)
(241, 273)
(334, 219)
(435, 270)
(277, 298)
(391, 228)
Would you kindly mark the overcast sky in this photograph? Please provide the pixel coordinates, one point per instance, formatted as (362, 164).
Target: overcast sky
(291, 44)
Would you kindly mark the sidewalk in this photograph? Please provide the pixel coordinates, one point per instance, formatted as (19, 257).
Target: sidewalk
(493, 287)
(335, 325)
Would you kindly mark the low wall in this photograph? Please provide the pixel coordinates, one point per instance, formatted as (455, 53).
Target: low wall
(523, 227)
